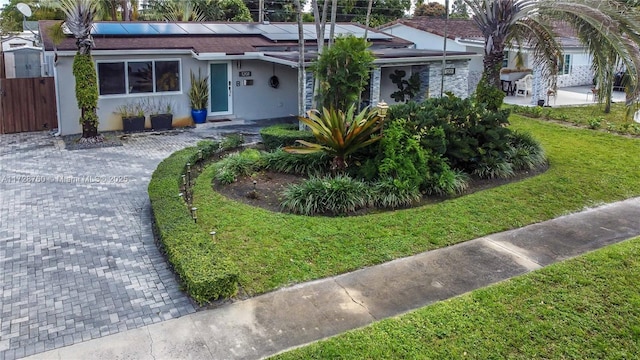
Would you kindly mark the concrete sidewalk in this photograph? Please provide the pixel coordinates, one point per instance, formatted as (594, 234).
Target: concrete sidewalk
(271, 323)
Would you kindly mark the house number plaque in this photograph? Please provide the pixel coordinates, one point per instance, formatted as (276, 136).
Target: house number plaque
(244, 73)
(449, 71)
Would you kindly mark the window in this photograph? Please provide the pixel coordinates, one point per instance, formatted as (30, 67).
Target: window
(564, 65)
(505, 60)
(140, 77)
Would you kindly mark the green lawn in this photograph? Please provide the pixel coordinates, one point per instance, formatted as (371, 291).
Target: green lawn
(272, 250)
(584, 308)
(588, 116)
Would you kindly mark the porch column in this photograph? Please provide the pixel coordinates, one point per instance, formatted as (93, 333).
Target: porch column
(435, 78)
(423, 71)
(374, 96)
(538, 91)
(308, 93)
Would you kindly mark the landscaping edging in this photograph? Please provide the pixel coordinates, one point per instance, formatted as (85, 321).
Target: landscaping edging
(206, 273)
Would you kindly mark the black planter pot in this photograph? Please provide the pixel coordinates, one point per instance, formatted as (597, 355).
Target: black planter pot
(161, 121)
(133, 124)
(540, 102)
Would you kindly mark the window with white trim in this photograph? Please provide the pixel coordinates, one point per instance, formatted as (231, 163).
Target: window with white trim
(138, 77)
(564, 66)
(505, 59)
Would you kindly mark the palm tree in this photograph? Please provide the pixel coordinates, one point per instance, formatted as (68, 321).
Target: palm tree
(80, 15)
(609, 29)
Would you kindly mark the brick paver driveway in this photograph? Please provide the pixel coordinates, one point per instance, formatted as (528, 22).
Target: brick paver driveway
(77, 254)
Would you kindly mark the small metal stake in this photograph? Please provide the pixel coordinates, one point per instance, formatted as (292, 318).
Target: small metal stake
(189, 174)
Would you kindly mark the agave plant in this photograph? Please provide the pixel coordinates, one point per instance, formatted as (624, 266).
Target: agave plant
(339, 133)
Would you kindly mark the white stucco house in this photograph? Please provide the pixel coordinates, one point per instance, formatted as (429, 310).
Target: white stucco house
(463, 35)
(152, 60)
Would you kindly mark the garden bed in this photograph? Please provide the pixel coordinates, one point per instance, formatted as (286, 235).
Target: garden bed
(266, 193)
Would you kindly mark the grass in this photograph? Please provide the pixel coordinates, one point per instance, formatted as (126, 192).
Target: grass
(272, 250)
(584, 308)
(589, 116)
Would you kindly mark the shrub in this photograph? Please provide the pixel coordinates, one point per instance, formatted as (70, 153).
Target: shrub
(282, 135)
(205, 272)
(595, 123)
(460, 130)
(488, 96)
(337, 195)
(343, 71)
(339, 133)
(392, 193)
(401, 157)
(302, 164)
(493, 167)
(526, 152)
(234, 165)
(446, 181)
(232, 141)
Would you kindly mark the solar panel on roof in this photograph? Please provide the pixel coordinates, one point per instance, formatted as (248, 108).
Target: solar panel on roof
(221, 29)
(194, 28)
(287, 37)
(245, 29)
(168, 29)
(267, 29)
(108, 29)
(287, 28)
(139, 29)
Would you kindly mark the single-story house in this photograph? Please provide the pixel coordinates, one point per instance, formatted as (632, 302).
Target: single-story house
(464, 35)
(137, 61)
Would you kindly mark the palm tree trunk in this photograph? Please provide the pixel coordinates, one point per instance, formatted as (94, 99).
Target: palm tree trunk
(89, 130)
(492, 64)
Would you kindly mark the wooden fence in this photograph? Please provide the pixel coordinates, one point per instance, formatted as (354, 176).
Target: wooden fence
(27, 104)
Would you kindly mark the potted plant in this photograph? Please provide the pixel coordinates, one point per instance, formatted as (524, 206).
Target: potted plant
(161, 115)
(133, 117)
(199, 97)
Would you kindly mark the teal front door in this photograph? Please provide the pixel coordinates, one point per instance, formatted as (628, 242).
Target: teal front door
(220, 89)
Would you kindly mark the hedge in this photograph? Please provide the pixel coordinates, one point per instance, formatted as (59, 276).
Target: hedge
(282, 135)
(207, 274)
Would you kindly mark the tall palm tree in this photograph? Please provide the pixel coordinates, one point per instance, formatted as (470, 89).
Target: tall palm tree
(609, 30)
(80, 15)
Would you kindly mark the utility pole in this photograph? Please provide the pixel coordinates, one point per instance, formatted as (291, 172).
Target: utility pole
(444, 46)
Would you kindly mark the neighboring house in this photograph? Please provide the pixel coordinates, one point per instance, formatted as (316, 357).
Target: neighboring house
(463, 35)
(140, 60)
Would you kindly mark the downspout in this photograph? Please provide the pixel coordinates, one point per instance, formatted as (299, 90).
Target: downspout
(57, 89)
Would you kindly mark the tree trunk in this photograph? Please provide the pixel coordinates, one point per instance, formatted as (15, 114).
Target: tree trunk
(334, 11)
(492, 64)
(89, 130)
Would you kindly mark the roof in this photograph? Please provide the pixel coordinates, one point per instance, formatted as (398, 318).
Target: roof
(384, 55)
(236, 38)
(456, 28)
(466, 29)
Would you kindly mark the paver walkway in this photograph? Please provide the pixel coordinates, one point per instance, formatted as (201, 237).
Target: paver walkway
(268, 324)
(77, 254)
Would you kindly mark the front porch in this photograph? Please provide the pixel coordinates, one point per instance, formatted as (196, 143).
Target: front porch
(576, 95)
